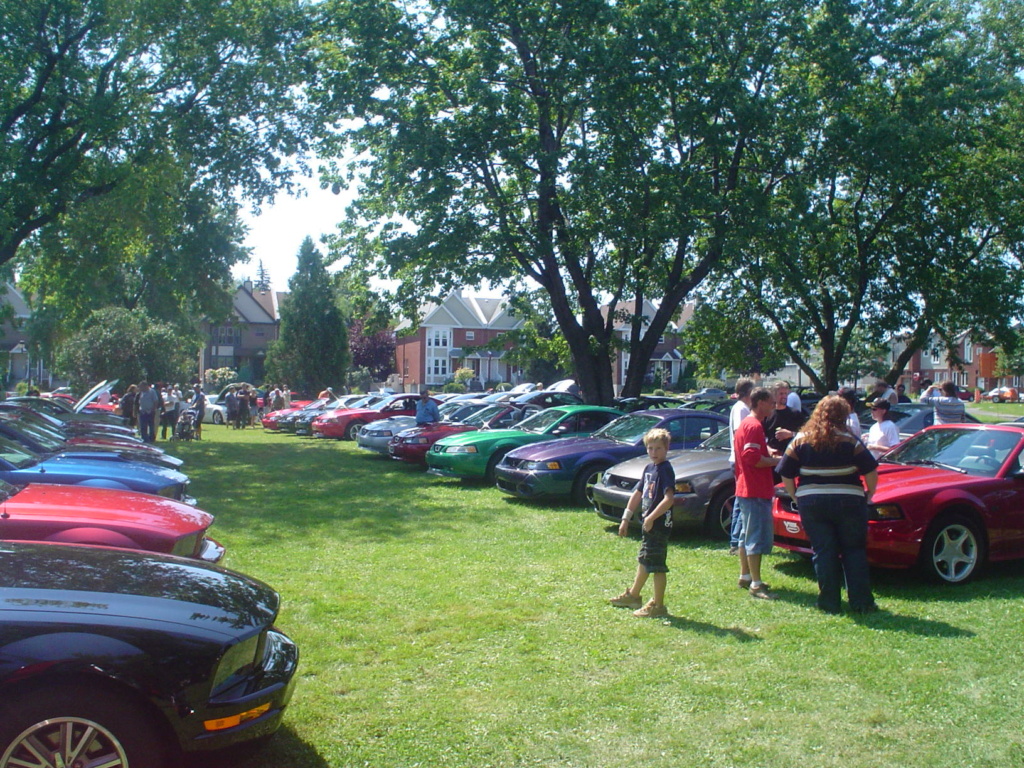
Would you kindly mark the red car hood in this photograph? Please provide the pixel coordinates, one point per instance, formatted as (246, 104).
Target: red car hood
(900, 481)
(98, 505)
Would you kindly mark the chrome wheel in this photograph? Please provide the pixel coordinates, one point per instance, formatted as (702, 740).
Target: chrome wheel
(73, 742)
(953, 551)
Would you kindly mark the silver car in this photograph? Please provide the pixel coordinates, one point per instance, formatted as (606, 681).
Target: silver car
(376, 435)
(705, 487)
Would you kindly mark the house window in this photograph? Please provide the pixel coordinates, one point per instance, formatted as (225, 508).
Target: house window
(936, 356)
(439, 338)
(968, 351)
(227, 336)
(470, 335)
(439, 342)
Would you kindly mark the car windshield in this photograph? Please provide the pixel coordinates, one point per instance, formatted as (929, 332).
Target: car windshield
(462, 411)
(45, 437)
(628, 429)
(541, 422)
(484, 415)
(980, 452)
(18, 456)
(717, 442)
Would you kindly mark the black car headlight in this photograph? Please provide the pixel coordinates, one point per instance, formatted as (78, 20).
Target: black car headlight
(238, 662)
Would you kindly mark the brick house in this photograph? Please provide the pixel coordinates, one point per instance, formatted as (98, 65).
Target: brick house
(975, 370)
(446, 338)
(241, 341)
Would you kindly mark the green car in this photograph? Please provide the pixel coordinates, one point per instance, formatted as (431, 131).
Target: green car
(476, 454)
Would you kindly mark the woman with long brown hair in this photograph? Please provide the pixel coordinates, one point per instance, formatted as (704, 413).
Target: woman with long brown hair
(822, 470)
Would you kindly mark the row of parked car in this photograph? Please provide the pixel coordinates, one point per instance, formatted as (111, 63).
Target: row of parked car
(950, 498)
(136, 651)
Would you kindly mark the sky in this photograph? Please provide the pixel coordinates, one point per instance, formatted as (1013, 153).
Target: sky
(276, 234)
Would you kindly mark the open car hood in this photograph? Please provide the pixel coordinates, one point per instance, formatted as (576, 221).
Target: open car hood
(104, 386)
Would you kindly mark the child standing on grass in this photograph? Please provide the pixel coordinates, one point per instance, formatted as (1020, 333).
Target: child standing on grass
(654, 495)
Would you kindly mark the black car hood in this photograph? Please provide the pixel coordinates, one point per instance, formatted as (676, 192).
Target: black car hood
(95, 583)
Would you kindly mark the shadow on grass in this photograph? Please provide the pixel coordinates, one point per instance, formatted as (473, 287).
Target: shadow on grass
(702, 627)
(284, 749)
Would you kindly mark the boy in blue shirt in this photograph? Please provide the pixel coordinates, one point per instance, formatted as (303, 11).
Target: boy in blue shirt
(654, 495)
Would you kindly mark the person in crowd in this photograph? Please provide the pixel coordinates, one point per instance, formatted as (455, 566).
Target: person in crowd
(853, 420)
(128, 405)
(426, 410)
(945, 400)
(169, 411)
(277, 398)
(231, 407)
(737, 414)
(793, 401)
(901, 394)
(822, 470)
(148, 406)
(883, 434)
(654, 496)
(755, 488)
(242, 408)
(198, 404)
(783, 423)
(883, 391)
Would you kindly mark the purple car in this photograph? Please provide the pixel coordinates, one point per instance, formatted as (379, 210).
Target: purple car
(572, 466)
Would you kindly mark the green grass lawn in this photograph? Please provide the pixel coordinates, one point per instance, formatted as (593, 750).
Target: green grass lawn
(444, 624)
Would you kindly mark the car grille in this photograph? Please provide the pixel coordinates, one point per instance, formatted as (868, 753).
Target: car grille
(618, 481)
(506, 485)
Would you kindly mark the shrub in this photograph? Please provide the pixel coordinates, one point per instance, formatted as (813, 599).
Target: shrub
(455, 387)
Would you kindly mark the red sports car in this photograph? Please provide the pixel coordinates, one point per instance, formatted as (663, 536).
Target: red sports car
(100, 516)
(413, 444)
(949, 499)
(344, 424)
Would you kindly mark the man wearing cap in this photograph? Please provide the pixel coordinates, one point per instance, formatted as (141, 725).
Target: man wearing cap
(883, 434)
(426, 410)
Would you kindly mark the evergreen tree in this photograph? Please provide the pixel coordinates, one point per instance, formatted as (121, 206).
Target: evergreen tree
(262, 279)
(312, 351)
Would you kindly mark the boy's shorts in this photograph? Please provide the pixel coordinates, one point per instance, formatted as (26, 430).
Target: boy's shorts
(653, 551)
(757, 536)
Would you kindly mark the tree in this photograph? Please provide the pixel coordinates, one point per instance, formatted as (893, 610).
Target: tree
(607, 152)
(901, 214)
(312, 350)
(723, 335)
(92, 93)
(117, 343)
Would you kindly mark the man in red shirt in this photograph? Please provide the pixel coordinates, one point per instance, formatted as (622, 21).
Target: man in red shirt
(755, 487)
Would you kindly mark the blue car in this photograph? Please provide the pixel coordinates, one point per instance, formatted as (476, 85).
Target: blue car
(572, 466)
(19, 466)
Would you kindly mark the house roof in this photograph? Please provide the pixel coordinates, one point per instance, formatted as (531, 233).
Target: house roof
(460, 311)
(249, 309)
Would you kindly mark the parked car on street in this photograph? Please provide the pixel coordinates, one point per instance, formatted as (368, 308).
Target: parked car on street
(571, 467)
(910, 418)
(708, 393)
(949, 500)
(1002, 395)
(20, 466)
(100, 516)
(705, 487)
(475, 454)
(411, 445)
(123, 659)
(345, 423)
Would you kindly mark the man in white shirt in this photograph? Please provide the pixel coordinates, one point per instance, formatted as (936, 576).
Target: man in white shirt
(884, 434)
(737, 414)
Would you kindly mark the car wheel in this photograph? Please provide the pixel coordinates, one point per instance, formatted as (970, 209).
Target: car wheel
(75, 726)
(218, 417)
(583, 485)
(995, 399)
(353, 429)
(492, 464)
(718, 521)
(953, 549)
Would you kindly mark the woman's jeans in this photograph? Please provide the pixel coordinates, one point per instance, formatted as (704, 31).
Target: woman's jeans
(837, 526)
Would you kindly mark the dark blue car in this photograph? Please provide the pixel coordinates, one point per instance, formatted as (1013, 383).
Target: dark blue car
(572, 466)
(20, 466)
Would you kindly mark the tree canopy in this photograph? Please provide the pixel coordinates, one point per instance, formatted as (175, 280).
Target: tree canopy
(92, 93)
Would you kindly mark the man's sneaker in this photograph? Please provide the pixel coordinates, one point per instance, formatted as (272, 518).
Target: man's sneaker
(626, 600)
(761, 592)
(651, 611)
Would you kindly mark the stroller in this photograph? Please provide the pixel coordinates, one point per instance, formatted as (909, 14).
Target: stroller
(185, 429)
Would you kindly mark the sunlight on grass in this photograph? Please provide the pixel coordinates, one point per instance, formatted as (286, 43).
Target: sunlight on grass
(442, 624)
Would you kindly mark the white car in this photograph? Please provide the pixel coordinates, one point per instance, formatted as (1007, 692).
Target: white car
(215, 414)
